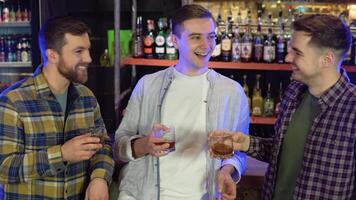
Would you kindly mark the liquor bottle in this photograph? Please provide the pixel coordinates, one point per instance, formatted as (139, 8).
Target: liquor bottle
(138, 40)
(12, 14)
(171, 51)
(160, 39)
(18, 12)
(148, 41)
(269, 48)
(2, 49)
(258, 41)
(268, 105)
(226, 43)
(5, 13)
(257, 100)
(105, 59)
(281, 47)
(277, 109)
(246, 44)
(236, 41)
(246, 90)
(216, 55)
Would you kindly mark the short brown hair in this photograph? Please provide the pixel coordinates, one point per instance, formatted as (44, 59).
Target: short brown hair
(190, 11)
(51, 35)
(326, 31)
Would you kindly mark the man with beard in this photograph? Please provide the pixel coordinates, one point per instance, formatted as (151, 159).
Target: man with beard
(195, 100)
(46, 124)
(312, 154)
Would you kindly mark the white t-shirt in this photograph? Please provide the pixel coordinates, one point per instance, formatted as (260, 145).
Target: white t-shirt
(183, 172)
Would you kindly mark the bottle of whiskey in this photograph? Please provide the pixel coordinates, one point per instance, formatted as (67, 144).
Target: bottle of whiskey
(258, 41)
(281, 47)
(160, 39)
(138, 40)
(236, 41)
(246, 90)
(257, 100)
(246, 44)
(149, 39)
(269, 48)
(268, 106)
(226, 43)
(171, 51)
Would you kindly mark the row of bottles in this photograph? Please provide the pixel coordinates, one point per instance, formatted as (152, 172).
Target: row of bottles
(267, 106)
(15, 11)
(15, 48)
(234, 45)
(154, 44)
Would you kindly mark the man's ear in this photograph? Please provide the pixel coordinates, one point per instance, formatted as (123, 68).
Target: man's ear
(175, 40)
(52, 56)
(329, 58)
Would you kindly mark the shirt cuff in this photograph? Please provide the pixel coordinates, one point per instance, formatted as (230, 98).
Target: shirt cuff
(101, 173)
(55, 160)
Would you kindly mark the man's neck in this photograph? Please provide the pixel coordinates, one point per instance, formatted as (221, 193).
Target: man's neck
(322, 83)
(57, 83)
(190, 71)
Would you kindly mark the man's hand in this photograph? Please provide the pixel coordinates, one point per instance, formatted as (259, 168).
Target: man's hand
(97, 190)
(80, 148)
(226, 186)
(151, 144)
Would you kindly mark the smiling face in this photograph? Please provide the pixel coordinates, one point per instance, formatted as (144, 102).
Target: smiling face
(75, 58)
(306, 60)
(196, 43)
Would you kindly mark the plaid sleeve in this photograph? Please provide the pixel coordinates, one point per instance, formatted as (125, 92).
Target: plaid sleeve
(260, 148)
(102, 162)
(15, 165)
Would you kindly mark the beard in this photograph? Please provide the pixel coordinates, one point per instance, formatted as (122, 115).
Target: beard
(78, 74)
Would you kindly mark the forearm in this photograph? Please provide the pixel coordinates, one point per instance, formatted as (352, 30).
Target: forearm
(138, 147)
(19, 168)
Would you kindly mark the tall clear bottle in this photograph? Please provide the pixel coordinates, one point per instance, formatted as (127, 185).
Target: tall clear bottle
(246, 90)
(257, 99)
(138, 40)
(258, 41)
(246, 44)
(281, 46)
(277, 109)
(268, 105)
(216, 55)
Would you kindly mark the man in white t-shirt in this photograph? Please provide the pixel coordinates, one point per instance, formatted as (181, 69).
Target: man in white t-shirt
(195, 100)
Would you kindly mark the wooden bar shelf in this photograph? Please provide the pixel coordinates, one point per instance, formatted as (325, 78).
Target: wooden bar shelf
(262, 120)
(218, 65)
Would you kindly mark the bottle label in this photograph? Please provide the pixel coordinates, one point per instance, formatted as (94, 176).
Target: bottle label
(269, 53)
(226, 45)
(246, 50)
(256, 111)
(169, 41)
(236, 50)
(160, 40)
(171, 50)
(159, 49)
(258, 51)
(148, 41)
(268, 108)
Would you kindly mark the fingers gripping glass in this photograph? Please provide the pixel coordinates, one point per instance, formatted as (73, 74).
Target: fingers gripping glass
(169, 136)
(221, 146)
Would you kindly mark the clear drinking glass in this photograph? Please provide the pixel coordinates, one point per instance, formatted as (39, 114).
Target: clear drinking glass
(220, 145)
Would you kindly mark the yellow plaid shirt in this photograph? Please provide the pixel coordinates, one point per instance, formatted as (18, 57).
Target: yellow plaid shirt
(33, 127)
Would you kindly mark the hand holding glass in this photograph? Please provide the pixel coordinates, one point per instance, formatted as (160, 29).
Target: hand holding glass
(220, 145)
(168, 133)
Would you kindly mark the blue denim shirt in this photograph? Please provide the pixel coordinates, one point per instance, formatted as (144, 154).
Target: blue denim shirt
(227, 109)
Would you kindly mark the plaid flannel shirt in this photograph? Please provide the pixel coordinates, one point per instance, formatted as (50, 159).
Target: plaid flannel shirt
(32, 129)
(329, 166)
